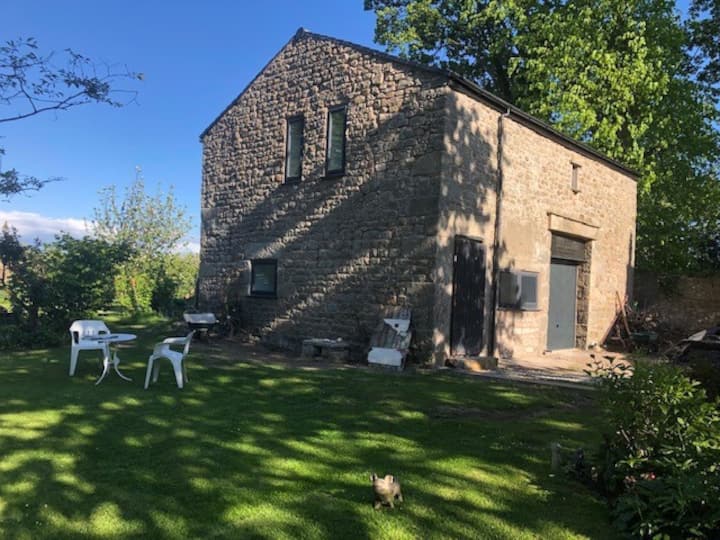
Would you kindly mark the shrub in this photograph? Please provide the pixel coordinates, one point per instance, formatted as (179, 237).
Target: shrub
(704, 367)
(175, 283)
(134, 289)
(53, 284)
(660, 462)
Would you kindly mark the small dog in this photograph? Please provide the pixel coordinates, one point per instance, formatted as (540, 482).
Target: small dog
(386, 490)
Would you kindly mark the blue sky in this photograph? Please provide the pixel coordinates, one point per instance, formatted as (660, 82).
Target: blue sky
(196, 57)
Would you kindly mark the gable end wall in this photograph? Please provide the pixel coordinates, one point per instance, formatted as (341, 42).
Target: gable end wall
(347, 248)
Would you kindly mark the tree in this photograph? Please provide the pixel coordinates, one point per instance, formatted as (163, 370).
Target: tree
(704, 27)
(29, 287)
(10, 250)
(614, 74)
(482, 40)
(33, 83)
(150, 226)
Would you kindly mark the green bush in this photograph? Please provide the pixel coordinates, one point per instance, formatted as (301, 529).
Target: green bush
(53, 284)
(175, 283)
(163, 287)
(134, 289)
(660, 463)
(704, 367)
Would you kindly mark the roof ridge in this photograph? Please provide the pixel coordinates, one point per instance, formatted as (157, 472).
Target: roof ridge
(375, 52)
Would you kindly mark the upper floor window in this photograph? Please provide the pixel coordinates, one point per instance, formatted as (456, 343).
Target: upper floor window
(335, 162)
(294, 148)
(575, 179)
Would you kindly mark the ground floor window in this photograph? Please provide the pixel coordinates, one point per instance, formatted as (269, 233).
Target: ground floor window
(263, 281)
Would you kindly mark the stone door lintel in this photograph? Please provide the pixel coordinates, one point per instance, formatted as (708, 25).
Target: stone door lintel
(572, 227)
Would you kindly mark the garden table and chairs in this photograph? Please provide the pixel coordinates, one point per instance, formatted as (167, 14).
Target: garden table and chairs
(95, 335)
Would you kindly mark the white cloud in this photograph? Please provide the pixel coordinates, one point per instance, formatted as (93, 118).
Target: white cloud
(31, 225)
(193, 247)
(188, 245)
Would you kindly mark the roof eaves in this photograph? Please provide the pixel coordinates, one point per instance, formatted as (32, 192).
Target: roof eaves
(539, 125)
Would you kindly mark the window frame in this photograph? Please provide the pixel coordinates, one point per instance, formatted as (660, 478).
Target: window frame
(329, 173)
(503, 302)
(517, 303)
(529, 306)
(263, 294)
(298, 118)
(575, 177)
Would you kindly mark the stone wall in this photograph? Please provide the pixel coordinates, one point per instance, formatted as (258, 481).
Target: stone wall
(422, 167)
(348, 247)
(537, 198)
(686, 304)
(467, 207)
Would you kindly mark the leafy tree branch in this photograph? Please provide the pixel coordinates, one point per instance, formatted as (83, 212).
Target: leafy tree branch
(31, 83)
(34, 83)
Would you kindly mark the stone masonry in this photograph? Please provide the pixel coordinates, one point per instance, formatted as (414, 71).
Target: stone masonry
(348, 247)
(422, 158)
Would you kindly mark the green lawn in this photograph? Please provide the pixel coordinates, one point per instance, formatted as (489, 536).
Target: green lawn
(4, 298)
(267, 451)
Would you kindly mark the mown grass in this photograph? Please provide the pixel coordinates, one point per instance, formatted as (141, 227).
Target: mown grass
(4, 298)
(266, 451)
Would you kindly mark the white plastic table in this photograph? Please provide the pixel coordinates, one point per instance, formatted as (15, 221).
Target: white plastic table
(112, 357)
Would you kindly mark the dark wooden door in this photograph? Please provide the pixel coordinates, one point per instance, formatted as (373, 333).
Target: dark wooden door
(561, 309)
(468, 301)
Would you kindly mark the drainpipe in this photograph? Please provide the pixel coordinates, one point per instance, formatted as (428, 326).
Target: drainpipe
(494, 300)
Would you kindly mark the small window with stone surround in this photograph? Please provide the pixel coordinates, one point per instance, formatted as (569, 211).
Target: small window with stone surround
(518, 290)
(575, 178)
(335, 161)
(294, 148)
(263, 278)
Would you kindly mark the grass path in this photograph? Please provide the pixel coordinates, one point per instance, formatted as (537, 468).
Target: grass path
(263, 451)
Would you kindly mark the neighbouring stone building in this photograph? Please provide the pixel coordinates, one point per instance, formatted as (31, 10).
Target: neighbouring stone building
(344, 181)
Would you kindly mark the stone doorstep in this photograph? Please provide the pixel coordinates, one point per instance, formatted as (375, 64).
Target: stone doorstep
(476, 363)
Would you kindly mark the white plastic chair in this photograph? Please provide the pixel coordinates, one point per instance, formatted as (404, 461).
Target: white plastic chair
(81, 334)
(163, 350)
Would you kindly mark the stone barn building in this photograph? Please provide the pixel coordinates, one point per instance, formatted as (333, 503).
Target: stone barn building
(343, 182)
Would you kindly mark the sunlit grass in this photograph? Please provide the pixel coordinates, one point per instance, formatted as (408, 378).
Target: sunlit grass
(266, 451)
(4, 298)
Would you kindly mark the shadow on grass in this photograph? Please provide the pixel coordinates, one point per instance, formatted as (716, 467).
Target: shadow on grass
(273, 452)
